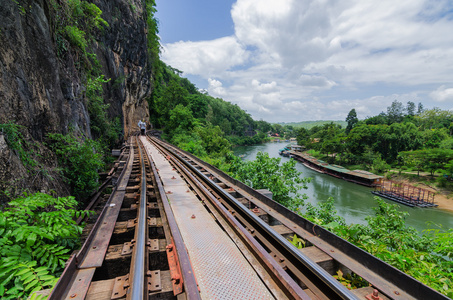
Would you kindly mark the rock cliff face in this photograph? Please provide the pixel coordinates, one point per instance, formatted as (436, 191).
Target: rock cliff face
(45, 92)
(123, 54)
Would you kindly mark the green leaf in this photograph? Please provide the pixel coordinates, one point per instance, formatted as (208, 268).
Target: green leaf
(32, 277)
(47, 277)
(32, 284)
(42, 272)
(23, 271)
(37, 270)
(31, 239)
(7, 280)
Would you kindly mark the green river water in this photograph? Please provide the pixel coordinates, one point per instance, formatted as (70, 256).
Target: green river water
(352, 201)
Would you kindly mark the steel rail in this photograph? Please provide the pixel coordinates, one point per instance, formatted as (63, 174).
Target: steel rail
(138, 268)
(322, 280)
(190, 283)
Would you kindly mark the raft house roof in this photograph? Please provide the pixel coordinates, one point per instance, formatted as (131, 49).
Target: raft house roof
(341, 169)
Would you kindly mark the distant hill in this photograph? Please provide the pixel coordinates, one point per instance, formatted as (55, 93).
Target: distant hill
(310, 124)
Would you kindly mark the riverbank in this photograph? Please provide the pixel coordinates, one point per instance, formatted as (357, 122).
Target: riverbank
(444, 201)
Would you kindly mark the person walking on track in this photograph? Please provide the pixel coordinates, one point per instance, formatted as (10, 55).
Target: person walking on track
(142, 126)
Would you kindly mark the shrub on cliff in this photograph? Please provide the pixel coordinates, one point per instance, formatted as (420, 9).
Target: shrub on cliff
(80, 161)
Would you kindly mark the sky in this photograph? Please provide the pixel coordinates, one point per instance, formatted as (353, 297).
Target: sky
(306, 60)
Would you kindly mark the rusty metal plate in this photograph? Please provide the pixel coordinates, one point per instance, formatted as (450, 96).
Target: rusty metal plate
(120, 287)
(175, 269)
(154, 283)
(153, 245)
(131, 223)
(127, 248)
(80, 284)
(153, 205)
(98, 247)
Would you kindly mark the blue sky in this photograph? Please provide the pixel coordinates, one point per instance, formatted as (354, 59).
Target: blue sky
(299, 60)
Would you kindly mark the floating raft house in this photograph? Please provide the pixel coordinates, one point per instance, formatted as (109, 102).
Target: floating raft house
(356, 176)
(284, 152)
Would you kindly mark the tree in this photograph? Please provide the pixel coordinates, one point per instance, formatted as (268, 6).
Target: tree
(395, 112)
(359, 137)
(263, 126)
(413, 159)
(437, 159)
(432, 138)
(169, 98)
(277, 128)
(410, 108)
(399, 137)
(213, 140)
(377, 120)
(352, 120)
(430, 159)
(265, 172)
(303, 137)
(420, 108)
(198, 105)
(435, 118)
(180, 118)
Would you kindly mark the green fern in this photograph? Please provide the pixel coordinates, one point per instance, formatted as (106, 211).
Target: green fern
(37, 233)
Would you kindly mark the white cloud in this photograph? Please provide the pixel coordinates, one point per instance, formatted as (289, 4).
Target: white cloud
(216, 88)
(205, 58)
(293, 60)
(442, 94)
(316, 81)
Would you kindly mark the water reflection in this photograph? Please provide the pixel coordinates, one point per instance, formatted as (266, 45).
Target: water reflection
(352, 201)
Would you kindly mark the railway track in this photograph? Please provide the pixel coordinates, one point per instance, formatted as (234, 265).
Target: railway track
(175, 227)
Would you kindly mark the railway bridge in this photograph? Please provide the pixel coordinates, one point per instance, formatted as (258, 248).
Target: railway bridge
(175, 227)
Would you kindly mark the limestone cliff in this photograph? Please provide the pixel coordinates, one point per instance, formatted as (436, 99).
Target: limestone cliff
(44, 91)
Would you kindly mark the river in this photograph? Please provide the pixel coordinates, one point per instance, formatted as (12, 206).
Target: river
(352, 201)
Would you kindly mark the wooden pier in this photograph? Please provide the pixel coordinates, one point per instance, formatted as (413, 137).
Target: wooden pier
(405, 194)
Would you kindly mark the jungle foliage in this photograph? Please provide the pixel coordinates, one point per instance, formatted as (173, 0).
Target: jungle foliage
(197, 122)
(283, 180)
(419, 140)
(80, 160)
